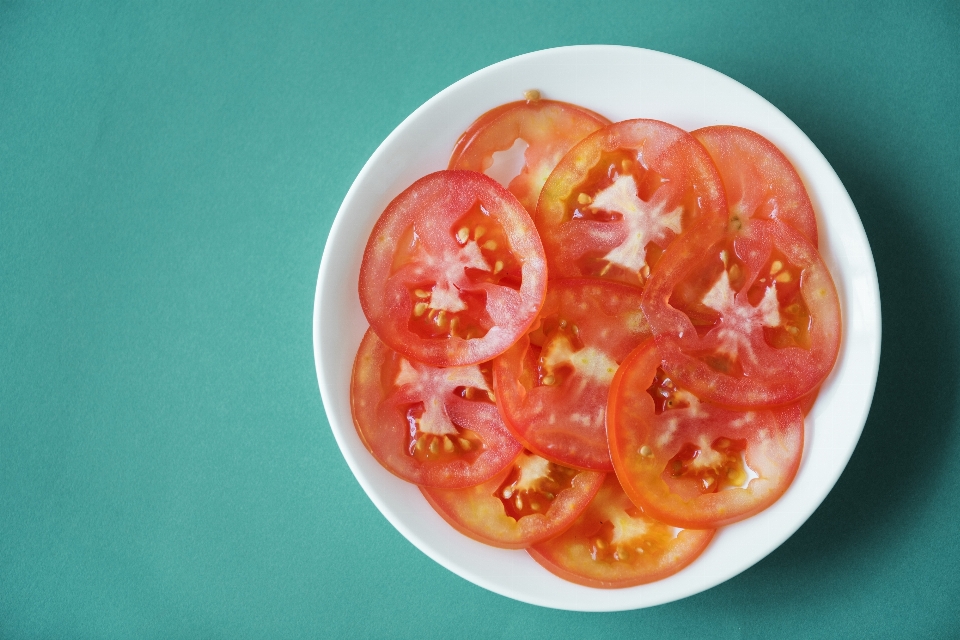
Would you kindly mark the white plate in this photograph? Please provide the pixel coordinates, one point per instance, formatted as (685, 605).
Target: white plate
(620, 83)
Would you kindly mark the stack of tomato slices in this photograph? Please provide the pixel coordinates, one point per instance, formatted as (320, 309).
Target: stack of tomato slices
(605, 353)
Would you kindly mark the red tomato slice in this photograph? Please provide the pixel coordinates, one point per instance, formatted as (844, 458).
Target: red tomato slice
(552, 385)
(619, 198)
(745, 318)
(453, 272)
(694, 464)
(614, 544)
(546, 130)
(758, 179)
(531, 500)
(430, 426)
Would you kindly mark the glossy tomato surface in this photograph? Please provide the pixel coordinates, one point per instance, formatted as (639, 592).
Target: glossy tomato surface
(694, 464)
(541, 130)
(453, 272)
(428, 425)
(747, 317)
(531, 500)
(614, 544)
(552, 385)
(621, 196)
(758, 179)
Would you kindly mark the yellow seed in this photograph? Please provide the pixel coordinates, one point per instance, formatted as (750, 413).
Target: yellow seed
(535, 506)
(490, 245)
(463, 234)
(519, 501)
(600, 544)
(645, 272)
(783, 276)
(468, 393)
(464, 444)
(434, 446)
(491, 397)
(645, 450)
(419, 309)
(420, 444)
(479, 231)
(604, 271)
(792, 330)
(454, 324)
(708, 481)
(584, 199)
(447, 444)
(793, 309)
(420, 293)
(442, 319)
(507, 493)
(531, 95)
(622, 554)
(734, 272)
(775, 267)
(498, 267)
(549, 380)
(626, 165)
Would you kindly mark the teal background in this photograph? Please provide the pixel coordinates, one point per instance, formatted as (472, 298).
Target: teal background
(169, 172)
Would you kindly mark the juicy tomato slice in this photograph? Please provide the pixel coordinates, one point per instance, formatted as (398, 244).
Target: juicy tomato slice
(528, 502)
(621, 196)
(431, 426)
(520, 143)
(453, 272)
(747, 317)
(552, 385)
(615, 544)
(758, 179)
(694, 464)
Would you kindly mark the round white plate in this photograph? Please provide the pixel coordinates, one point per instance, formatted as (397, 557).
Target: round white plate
(620, 83)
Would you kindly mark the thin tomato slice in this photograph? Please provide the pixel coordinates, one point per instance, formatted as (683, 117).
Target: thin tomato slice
(621, 196)
(745, 318)
(453, 272)
(541, 130)
(694, 464)
(528, 502)
(430, 426)
(614, 544)
(758, 179)
(552, 385)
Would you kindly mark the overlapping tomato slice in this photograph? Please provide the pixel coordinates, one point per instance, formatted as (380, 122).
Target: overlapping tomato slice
(758, 179)
(531, 500)
(620, 197)
(431, 426)
(691, 463)
(747, 317)
(520, 143)
(552, 385)
(615, 544)
(453, 272)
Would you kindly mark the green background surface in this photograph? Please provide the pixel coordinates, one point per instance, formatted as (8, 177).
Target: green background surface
(169, 172)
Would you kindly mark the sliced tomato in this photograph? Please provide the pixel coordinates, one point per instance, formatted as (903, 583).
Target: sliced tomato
(453, 272)
(747, 317)
(431, 426)
(552, 385)
(541, 130)
(531, 500)
(694, 464)
(758, 179)
(619, 198)
(615, 544)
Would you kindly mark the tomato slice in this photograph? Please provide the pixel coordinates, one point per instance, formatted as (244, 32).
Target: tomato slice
(542, 130)
(619, 198)
(552, 385)
(747, 317)
(431, 426)
(453, 272)
(758, 179)
(531, 500)
(614, 544)
(694, 464)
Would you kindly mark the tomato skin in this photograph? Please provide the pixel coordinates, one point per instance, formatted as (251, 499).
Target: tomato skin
(621, 196)
(549, 128)
(645, 444)
(771, 375)
(557, 408)
(570, 555)
(758, 179)
(478, 513)
(383, 391)
(429, 212)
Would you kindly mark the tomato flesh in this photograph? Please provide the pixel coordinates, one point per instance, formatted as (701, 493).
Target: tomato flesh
(691, 463)
(453, 272)
(552, 385)
(530, 501)
(430, 426)
(615, 544)
(621, 196)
